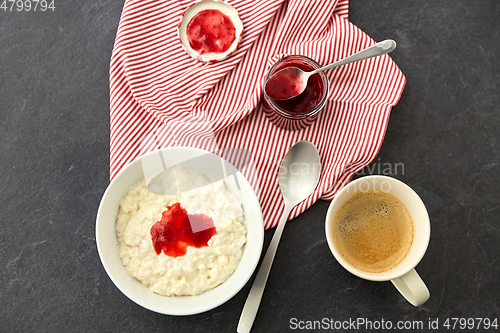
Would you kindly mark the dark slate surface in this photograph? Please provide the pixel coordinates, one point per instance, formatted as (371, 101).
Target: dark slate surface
(54, 139)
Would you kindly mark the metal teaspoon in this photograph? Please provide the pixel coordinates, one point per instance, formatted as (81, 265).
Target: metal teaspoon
(300, 172)
(292, 81)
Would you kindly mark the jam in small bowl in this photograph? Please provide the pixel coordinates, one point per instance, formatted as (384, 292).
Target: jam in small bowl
(210, 30)
(302, 110)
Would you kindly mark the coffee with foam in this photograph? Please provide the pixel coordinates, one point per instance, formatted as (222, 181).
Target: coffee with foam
(373, 231)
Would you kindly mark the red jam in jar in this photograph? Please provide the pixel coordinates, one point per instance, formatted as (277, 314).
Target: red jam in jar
(300, 111)
(309, 98)
(210, 31)
(174, 232)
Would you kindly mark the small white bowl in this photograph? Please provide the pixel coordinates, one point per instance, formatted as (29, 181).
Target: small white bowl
(108, 247)
(197, 7)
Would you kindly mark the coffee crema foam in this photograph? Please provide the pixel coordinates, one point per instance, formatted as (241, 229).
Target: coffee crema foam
(373, 231)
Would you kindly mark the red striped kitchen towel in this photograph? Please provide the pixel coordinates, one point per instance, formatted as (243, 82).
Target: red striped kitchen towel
(160, 96)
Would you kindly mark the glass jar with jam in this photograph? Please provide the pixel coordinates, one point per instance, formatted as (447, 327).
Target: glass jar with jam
(302, 110)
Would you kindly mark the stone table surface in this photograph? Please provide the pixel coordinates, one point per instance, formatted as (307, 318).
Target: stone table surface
(54, 147)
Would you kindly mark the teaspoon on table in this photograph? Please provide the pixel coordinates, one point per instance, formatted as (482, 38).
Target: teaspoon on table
(300, 171)
(292, 81)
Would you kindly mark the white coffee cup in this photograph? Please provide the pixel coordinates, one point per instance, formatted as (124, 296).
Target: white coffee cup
(403, 276)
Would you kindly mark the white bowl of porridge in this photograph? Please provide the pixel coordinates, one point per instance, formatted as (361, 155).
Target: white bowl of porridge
(188, 244)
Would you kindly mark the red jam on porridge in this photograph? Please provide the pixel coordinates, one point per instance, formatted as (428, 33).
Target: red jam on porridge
(174, 232)
(185, 243)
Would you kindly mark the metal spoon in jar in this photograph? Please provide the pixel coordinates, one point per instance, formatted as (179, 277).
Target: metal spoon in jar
(299, 175)
(292, 81)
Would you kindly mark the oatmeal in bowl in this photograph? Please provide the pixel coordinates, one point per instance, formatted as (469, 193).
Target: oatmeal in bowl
(185, 250)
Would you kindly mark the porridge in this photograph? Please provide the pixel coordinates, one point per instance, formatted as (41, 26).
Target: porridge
(185, 242)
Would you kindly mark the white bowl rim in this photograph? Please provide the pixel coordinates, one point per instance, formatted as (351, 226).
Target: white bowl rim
(183, 305)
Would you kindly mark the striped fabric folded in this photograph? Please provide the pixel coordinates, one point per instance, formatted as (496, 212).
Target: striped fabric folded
(161, 97)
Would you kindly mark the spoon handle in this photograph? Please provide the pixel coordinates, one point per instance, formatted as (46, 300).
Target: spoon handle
(255, 296)
(375, 50)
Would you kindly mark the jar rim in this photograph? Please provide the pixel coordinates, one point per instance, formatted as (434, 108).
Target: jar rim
(298, 115)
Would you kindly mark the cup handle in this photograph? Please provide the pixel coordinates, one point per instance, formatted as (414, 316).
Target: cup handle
(412, 288)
